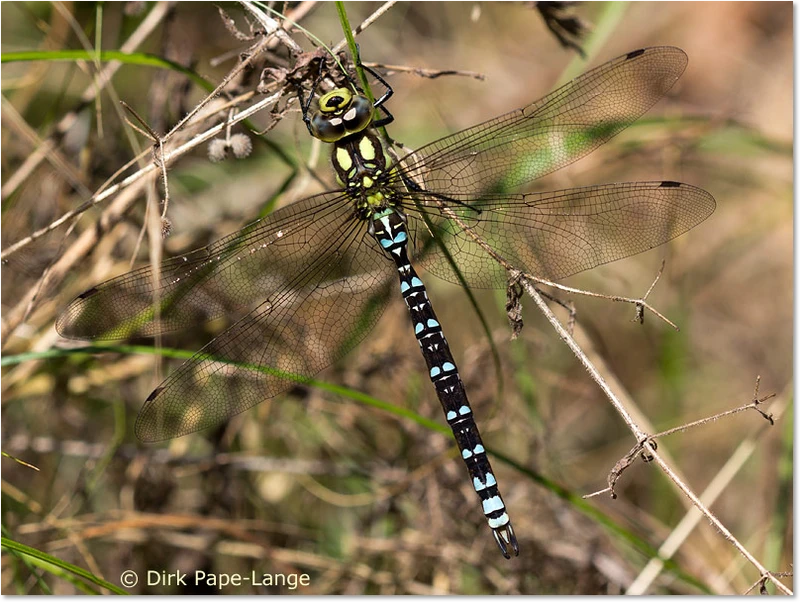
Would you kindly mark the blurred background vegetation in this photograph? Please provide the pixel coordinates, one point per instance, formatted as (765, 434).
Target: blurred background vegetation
(363, 499)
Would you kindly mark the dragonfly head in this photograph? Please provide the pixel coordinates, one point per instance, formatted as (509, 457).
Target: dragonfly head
(341, 113)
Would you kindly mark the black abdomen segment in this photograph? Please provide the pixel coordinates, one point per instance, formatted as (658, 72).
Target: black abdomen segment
(390, 231)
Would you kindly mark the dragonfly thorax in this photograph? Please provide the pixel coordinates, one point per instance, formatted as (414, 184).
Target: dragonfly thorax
(361, 167)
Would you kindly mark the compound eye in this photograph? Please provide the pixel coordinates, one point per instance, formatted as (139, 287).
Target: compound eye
(327, 128)
(359, 115)
(335, 100)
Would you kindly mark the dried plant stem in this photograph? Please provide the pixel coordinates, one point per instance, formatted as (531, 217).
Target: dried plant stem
(106, 190)
(640, 303)
(684, 427)
(422, 72)
(692, 518)
(225, 81)
(762, 582)
(146, 27)
(169, 156)
(716, 522)
(639, 434)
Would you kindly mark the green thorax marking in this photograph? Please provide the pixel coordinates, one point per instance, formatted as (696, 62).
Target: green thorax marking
(359, 158)
(360, 162)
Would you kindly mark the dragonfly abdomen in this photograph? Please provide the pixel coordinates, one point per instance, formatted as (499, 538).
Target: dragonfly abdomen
(389, 229)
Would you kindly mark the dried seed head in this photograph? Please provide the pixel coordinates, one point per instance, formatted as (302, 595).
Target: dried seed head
(241, 145)
(217, 150)
(166, 227)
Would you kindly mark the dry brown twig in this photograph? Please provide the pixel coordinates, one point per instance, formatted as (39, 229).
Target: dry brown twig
(713, 490)
(639, 449)
(428, 73)
(377, 14)
(646, 444)
(761, 584)
(639, 303)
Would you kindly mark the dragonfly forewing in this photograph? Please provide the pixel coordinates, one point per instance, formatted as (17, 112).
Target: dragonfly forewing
(508, 151)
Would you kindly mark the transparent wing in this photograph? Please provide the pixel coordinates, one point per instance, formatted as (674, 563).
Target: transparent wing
(567, 124)
(316, 281)
(555, 234)
(233, 273)
(322, 310)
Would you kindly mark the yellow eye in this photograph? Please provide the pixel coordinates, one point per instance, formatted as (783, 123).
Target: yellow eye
(335, 100)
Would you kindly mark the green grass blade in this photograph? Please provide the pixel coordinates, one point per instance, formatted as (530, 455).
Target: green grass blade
(129, 58)
(47, 562)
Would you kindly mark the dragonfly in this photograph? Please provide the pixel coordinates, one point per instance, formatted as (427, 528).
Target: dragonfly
(312, 279)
